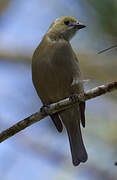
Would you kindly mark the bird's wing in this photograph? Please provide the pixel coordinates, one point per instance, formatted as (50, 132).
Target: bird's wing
(78, 83)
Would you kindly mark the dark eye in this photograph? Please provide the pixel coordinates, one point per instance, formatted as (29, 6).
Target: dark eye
(66, 22)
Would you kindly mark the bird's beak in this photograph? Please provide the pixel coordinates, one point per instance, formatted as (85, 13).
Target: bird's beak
(79, 25)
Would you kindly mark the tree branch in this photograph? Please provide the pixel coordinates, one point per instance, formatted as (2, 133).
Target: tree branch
(56, 107)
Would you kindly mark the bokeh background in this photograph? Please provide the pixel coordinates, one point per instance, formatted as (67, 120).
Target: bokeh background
(40, 152)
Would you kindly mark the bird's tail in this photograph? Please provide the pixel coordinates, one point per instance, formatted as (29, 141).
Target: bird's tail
(71, 120)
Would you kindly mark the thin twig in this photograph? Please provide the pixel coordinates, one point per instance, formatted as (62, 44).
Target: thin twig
(56, 107)
(104, 50)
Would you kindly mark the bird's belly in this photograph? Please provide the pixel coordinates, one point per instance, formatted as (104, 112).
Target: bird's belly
(54, 83)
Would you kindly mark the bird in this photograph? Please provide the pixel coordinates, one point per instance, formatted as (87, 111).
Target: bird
(56, 75)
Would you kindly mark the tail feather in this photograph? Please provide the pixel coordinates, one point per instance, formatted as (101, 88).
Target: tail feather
(82, 113)
(57, 122)
(71, 120)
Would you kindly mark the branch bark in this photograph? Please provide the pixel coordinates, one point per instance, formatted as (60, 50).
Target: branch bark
(56, 107)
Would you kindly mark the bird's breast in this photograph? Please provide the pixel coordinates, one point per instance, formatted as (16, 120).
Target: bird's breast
(53, 75)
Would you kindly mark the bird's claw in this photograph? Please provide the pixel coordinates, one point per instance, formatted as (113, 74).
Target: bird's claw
(44, 109)
(74, 98)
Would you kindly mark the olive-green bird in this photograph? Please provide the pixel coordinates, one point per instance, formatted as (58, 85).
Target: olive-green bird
(56, 75)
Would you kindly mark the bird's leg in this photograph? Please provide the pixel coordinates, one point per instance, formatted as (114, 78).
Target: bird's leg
(77, 81)
(44, 109)
(77, 93)
(76, 86)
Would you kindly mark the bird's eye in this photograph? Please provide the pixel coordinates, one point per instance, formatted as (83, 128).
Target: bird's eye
(66, 22)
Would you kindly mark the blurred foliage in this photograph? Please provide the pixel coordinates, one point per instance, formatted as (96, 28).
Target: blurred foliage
(3, 5)
(107, 14)
(98, 67)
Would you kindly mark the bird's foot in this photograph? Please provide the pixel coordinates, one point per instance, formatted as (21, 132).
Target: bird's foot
(74, 98)
(44, 109)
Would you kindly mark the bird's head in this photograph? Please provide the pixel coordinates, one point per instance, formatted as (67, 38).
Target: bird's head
(65, 27)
